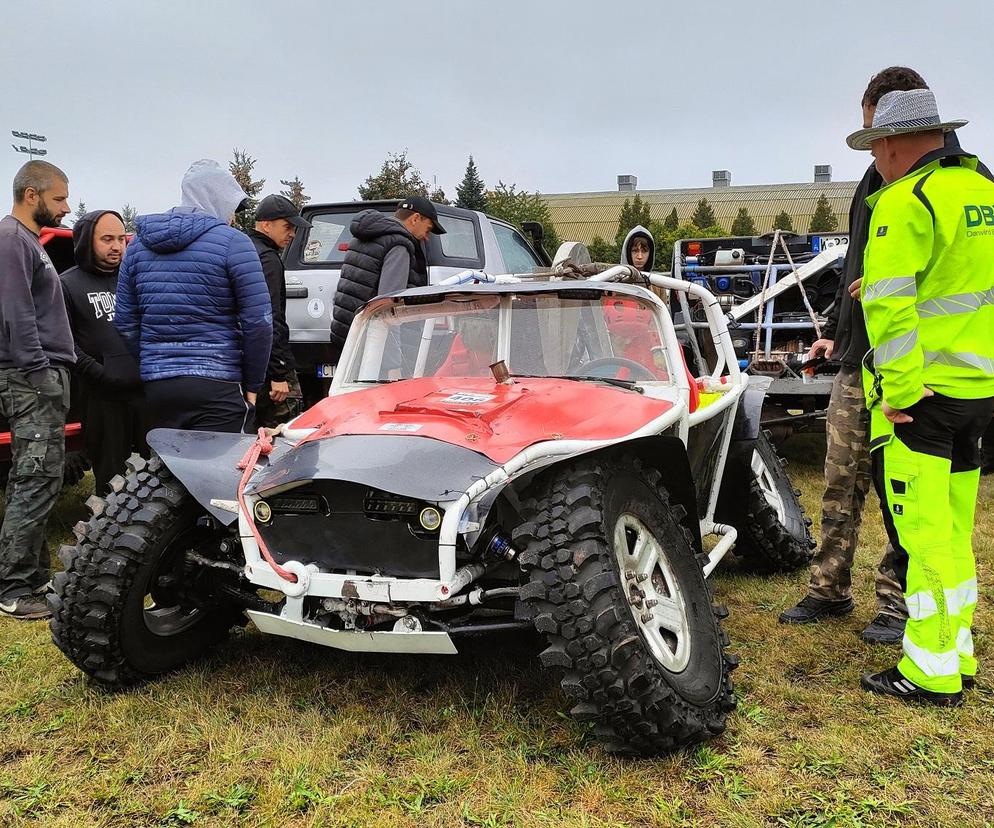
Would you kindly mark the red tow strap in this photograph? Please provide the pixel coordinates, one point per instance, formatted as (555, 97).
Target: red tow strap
(263, 446)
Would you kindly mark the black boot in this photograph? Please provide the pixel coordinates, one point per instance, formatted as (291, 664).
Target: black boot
(892, 683)
(884, 629)
(810, 609)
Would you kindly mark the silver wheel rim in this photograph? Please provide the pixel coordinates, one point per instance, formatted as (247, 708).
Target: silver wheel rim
(653, 593)
(768, 485)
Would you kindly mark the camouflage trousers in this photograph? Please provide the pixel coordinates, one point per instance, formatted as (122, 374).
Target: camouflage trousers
(37, 418)
(847, 480)
(270, 414)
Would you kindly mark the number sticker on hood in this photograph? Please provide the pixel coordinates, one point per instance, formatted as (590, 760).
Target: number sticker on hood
(468, 398)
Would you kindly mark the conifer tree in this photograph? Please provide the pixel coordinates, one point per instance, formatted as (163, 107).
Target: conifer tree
(471, 194)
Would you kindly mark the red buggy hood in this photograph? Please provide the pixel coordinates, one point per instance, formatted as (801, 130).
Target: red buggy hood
(496, 420)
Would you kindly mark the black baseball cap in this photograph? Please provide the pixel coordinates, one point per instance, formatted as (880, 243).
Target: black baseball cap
(274, 207)
(420, 204)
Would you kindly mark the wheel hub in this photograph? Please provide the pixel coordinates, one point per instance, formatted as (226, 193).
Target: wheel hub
(654, 595)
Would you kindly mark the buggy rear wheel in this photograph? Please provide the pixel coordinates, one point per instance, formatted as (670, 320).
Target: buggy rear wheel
(615, 585)
(774, 534)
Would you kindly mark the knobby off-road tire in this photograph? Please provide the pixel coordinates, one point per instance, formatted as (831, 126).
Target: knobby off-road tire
(774, 534)
(639, 699)
(112, 615)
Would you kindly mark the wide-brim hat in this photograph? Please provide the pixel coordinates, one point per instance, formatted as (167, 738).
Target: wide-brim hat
(902, 113)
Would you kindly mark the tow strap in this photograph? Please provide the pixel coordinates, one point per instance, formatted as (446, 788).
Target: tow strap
(262, 447)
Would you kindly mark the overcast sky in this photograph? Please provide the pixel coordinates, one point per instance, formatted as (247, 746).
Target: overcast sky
(553, 96)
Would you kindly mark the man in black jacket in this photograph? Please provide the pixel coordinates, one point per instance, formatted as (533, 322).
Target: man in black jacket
(114, 416)
(385, 255)
(847, 460)
(276, 223)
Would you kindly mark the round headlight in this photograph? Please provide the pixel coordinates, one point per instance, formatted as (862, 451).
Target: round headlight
(430, 518)
(263, 511)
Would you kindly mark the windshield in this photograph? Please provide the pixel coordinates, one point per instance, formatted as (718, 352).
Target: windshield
(540, 335)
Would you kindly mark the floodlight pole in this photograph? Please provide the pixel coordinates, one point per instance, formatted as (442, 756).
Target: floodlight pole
(30, 137)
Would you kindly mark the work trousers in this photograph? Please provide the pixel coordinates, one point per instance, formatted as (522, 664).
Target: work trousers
(37, 419)
(113, 430)
(847, 480)
(269, 413)
(926, 473)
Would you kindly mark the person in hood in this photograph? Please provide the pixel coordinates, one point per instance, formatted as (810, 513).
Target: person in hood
(639, 250)
(386, 255)
(193, 306)
(277, 220)
(113, 405)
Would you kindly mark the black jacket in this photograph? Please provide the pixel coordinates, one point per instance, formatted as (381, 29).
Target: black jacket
(374, 235)
(103, 363)
(280, 357)
(846, 324)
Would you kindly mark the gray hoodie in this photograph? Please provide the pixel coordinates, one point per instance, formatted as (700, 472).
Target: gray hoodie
(626, 257)
(209, 188)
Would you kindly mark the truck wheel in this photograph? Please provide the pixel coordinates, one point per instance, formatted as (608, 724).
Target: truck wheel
(127, 608)
(615, 586)
(773, 533)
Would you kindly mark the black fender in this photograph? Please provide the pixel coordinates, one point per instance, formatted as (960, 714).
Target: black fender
(206, 464)
(738, 465)
(663, 452)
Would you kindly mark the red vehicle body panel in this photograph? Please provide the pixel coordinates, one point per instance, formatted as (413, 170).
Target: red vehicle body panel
(499, 421)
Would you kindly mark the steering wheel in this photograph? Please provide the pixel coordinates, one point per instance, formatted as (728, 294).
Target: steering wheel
(639, 371)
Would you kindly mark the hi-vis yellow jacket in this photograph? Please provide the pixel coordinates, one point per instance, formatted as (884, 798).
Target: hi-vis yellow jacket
(928, 283)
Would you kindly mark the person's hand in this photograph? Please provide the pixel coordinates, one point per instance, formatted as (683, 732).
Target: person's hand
(250, 397)
(826, 345)
(898, 416)
(279, 391)
(854, 288)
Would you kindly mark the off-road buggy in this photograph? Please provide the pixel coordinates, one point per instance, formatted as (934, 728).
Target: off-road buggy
(530, 452)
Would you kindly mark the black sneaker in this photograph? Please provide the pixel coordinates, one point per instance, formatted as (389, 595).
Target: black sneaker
(44, 589)
(884, 629)
(969, 682)
(27, 608)
(892, 683)
(810, 609)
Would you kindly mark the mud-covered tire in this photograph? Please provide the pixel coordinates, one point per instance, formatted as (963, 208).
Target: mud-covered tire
(577, 594)
(98, 603)
(773, 532)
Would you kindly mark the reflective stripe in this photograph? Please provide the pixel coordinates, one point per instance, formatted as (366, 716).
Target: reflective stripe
(921, 605)
(966, 594)
(892, 287)
(964, 641)
(895, 348)
(959, 359)
(932, 664)
(957, 303)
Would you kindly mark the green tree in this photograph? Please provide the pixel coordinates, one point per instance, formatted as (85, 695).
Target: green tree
(295, 191)
(516, 206)
(602, 251)
(823, 220)
(241, 167)
(471, 194)
(438, 196)
(397, 178)
(704, 215)
(633, 214)
(743, 224)
(129, 215)
(80, 211)
(671, 222)
(783, 222)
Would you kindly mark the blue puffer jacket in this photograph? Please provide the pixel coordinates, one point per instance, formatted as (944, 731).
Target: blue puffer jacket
(192, 300)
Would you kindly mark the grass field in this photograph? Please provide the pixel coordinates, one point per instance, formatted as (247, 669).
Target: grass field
(272, 733)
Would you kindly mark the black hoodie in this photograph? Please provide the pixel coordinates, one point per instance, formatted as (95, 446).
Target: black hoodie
(103, 362)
